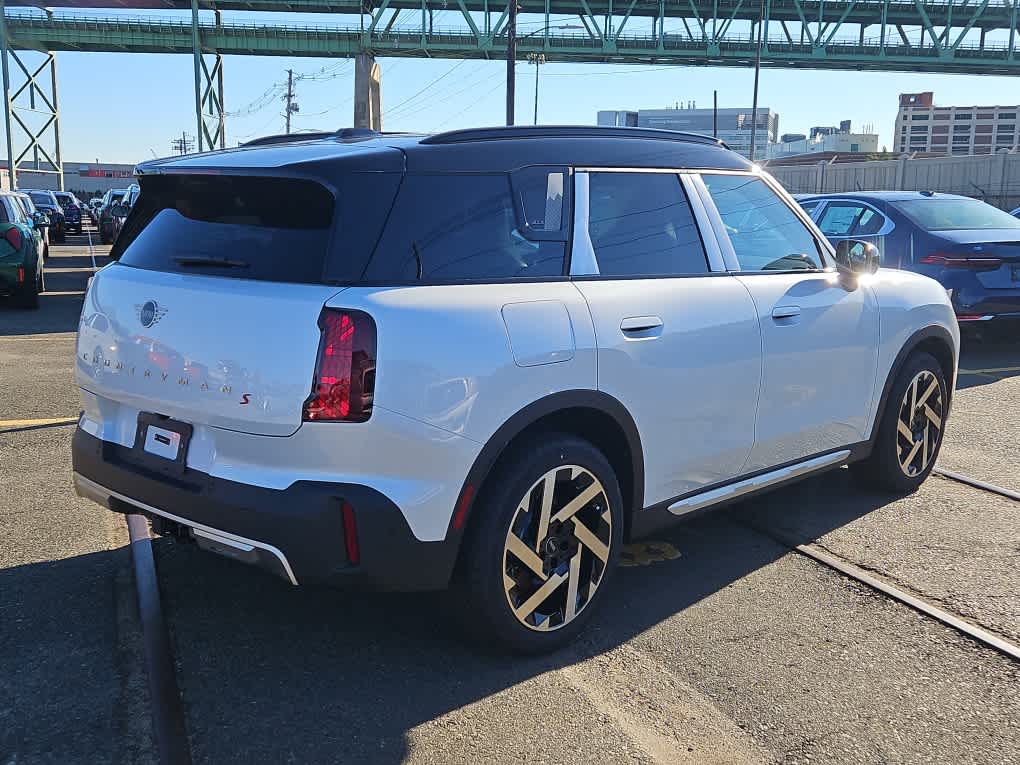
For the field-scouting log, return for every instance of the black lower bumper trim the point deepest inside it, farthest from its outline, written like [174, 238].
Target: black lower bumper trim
[303, 521]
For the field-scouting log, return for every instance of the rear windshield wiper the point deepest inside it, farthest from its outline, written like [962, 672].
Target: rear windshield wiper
[211, 262]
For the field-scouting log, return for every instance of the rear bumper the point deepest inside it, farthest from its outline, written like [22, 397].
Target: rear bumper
[987, 305]
[9, 283]
[296, 533]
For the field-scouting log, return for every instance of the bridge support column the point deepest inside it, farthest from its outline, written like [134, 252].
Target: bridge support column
[209, 113]
[367, 92]
[33, 108]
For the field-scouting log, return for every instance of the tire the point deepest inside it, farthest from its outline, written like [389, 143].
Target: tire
[909, 436]
[495, 572]
[60, 238]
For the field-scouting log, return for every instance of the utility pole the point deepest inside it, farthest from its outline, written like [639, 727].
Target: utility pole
[182, 145]
[511, 60]
[757, 71]
[289, 97]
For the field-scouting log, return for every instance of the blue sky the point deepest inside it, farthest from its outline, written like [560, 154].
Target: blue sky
[120, 107]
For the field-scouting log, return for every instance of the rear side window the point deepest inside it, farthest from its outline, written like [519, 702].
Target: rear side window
[641, 224]
[460, 227]
[268, 229]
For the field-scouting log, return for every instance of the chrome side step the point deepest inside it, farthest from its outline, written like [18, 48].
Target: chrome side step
[215, 540]
[763, 481]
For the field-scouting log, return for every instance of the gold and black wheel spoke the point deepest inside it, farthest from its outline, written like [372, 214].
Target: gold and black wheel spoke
[557, 548]
[919, 423]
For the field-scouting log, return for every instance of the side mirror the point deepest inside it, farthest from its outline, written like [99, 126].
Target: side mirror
[857, 257]
[40, 219]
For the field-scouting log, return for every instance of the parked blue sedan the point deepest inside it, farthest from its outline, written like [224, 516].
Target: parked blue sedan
[970, 247]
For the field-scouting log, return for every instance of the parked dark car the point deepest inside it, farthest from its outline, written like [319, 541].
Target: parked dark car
[73, 210]
[46, 201]
[120, 211]
[40, 222]
[106, 224]
[21, 262]
[970, 247]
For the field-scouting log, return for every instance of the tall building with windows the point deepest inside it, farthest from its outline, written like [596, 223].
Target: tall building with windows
[734, 125]
[922, 126]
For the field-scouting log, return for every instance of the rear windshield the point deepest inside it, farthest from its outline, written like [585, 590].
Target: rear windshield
[269, 229]
[41, 197]
[951, 214]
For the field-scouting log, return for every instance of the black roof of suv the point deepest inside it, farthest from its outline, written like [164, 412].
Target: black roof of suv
[501, 149]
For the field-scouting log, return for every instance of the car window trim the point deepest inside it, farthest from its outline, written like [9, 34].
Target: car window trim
[826, 253]
[582, 251]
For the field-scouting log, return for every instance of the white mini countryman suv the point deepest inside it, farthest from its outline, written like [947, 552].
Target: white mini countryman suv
[487, 359]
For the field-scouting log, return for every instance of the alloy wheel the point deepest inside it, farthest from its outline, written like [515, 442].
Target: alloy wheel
[557, 548]
[919, 424]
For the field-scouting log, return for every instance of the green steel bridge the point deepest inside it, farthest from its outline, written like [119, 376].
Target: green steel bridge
[945, 36]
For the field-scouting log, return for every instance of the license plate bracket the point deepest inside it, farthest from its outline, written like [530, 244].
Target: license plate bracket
[161, 444]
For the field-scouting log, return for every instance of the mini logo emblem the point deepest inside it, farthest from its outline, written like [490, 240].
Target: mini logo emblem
[149, 313]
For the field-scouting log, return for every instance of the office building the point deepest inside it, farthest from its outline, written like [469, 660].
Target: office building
[734, 125]
[922, 126]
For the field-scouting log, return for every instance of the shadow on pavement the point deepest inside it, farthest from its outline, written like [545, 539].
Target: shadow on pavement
[992, 357]
[271, 673]
[57, 313]
[72, 685]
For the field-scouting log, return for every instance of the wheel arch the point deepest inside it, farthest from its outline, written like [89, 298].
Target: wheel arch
[589, 414]
[933, 339]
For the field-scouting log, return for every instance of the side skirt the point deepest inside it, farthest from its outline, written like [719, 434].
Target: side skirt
[672, 511]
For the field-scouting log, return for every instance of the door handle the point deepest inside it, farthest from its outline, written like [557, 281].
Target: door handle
[640, 323]
[786, 312]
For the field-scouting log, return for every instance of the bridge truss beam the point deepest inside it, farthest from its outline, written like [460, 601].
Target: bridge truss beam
[972, 37]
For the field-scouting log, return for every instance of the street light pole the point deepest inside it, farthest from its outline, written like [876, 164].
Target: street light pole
[537, 59]
[511, 60]
[757, 71]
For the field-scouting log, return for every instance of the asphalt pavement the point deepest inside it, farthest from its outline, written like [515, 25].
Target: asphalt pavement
[724, 647]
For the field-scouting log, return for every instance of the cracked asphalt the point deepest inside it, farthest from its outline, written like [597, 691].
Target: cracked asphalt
[719, 646]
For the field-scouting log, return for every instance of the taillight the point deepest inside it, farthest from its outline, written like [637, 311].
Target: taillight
[345, 368]
[21, 275]
[962, 261]
[13, 237]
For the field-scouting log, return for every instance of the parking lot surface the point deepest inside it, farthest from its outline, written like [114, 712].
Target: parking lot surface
[726, 648]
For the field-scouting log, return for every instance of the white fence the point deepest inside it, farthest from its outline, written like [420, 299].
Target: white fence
[993, 178]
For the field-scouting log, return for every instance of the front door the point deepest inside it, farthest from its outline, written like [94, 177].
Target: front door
[819, 332]
[678, 342]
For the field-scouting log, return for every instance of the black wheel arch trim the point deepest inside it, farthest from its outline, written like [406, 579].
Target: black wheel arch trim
[528, 416]
[933, 331]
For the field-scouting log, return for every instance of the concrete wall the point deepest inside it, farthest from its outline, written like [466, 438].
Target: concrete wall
[995, 179]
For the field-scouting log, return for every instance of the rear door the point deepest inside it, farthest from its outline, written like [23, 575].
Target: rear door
[678, 339]
[820, 338]
[210, 314]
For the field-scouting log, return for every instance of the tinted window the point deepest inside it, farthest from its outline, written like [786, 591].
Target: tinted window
[273, 229]
[42, 198]
[839, 218]
[460, 227]
[949, 214]
[641, 225]
[766, 234]
[809, 207]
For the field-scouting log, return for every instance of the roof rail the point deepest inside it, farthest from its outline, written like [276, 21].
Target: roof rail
[568, 131]
[343, 134]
